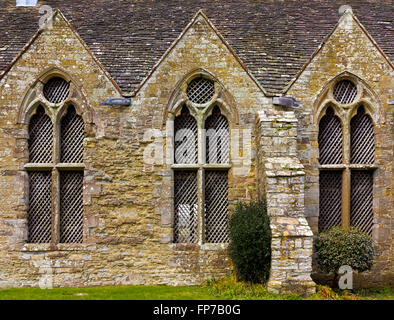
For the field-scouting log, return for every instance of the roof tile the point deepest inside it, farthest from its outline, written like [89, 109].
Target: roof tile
[273, 38]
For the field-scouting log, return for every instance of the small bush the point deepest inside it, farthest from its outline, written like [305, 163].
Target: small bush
[250, 246]
[337, 247]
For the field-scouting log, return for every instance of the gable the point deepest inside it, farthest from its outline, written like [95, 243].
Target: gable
[348, 48]
[57, 45]
[201, 46]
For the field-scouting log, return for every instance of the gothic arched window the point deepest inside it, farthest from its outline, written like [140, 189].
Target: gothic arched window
[201, 152]
[55, 171]
[346, 163]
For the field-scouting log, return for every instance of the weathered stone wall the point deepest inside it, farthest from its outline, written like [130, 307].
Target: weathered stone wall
[128, 203]
[349, 49]
[128, 213]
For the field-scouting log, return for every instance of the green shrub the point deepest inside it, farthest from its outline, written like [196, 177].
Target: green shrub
[337, 247]
[250, 246]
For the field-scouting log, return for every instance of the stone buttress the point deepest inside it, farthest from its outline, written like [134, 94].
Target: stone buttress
[281, 178]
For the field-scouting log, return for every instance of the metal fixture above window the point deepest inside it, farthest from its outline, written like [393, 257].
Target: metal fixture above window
[116, 102]
[26, 3]
[286, 102]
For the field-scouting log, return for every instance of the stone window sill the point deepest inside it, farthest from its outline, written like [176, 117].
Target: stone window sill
[48, 247]
[348, 166]
[50, 166]
[196, 246]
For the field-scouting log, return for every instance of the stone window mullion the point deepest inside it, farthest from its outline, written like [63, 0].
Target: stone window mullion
[55, 206]
[56, 185]
[346, 140]
[346, 178]
[200, 177]
[346, 174]
[201, 205]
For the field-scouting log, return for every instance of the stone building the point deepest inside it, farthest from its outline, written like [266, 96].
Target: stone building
[129, 129]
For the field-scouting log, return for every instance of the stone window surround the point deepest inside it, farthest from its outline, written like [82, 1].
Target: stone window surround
[32, 99]
[56, 167]
[345, 113]
[200, 112]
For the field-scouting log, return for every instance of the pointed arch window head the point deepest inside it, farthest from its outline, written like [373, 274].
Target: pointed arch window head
[217, 137]
[56, 90]
[200, 90]
[71, 137]
[330, 138]
[40, 137]
[362, 138]
[185, 137]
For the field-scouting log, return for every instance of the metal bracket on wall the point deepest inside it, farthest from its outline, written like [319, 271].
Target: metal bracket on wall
[286, 102]
[116, 102]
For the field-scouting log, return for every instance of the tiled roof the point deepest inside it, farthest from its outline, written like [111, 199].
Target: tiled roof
[273, 38]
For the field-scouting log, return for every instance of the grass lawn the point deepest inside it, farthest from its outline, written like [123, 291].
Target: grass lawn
[223, 289]
[109, 293]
